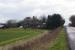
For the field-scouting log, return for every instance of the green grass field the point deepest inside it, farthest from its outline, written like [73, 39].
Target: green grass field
[60, 43]
[14, 34]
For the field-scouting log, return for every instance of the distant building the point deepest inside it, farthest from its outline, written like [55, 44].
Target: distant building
[2, 25]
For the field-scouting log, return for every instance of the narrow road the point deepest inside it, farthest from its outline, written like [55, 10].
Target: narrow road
[71, 37]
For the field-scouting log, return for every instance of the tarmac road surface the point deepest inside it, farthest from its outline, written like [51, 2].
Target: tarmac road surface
[71, 37]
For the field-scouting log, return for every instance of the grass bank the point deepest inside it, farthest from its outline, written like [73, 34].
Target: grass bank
[60, 43]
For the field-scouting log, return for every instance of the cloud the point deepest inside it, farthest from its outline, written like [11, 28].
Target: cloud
[19, 9]
[10, 1]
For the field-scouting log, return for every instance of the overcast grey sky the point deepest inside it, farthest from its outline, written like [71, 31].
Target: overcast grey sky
[19, 9]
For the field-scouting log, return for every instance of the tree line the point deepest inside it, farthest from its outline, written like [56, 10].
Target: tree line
[72, 21]
[45, 22]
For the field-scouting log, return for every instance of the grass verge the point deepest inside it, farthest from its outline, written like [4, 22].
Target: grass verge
[60, 43]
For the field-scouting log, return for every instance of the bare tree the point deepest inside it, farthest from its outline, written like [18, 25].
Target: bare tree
[11, 23]
[27, 22]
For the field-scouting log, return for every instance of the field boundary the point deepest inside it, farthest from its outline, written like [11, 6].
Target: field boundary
[29, 45]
